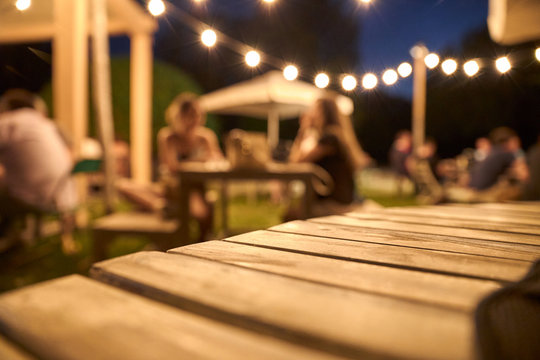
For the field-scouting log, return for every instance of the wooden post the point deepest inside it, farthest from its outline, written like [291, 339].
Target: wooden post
[418, 53]
[141, 107]
[102, 94]
[273, 129]
[70, 69]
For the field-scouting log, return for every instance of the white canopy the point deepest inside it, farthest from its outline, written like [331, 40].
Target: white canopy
[514, 21]
[269, 96]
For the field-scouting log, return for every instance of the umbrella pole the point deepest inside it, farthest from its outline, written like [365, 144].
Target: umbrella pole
[273, 129]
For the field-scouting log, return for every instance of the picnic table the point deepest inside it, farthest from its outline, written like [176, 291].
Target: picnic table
[396, 283]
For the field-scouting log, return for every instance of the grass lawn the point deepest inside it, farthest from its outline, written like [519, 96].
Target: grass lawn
[44, 260]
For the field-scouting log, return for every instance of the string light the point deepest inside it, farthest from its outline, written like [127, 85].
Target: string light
[537, 53]
[390, 77]
[503, 64]
[349, 83]
[22, 5]
[404, 69]
[471, 67]
[209, 37]
[449, 66]
[156, 7]
[290, 72]
[431, 60]
[322, 80]
[253, 58]
[369, 81]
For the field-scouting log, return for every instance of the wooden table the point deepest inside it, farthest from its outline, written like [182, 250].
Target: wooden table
[192, 175]
[397, 283]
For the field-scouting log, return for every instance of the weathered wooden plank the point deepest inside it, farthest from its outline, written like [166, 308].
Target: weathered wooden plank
[413, 240]
[525, 208]
[9, 351]
[466, 265]
[78, 318]
[443, 290]
[513, 238]
[335, 319]
[463, 223]
[469, 213]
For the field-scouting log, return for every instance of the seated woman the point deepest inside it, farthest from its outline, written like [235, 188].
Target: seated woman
[185, 139]
[327, 139]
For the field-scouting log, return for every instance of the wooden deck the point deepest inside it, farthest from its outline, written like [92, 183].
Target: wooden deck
[397, 283]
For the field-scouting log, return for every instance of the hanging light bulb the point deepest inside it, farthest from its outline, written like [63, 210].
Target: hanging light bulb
[209, 37]
[253, 58]
[404, 69]
[390, 77]
[431, 60]
[22, 5]
[322, 80]
[449, 66]
[471, 68]
[269, 1]
[290, 72]
[156, 7]
[503, 64]
[349, 83]
[369, 81]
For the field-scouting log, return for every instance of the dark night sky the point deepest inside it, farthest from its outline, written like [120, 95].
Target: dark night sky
[392, 27]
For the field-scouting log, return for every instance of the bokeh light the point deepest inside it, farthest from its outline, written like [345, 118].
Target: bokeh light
[404, 69]
[390, 77]
[449, 66]
[253, 58]
[290, 72]
[322, 80]
[156, 7]
[369, 81]
[349, 83]
[431, 60]
[268, 1]
[209, 37]
[471, 67]
[503, 64]
[537, 54]
[22, 5]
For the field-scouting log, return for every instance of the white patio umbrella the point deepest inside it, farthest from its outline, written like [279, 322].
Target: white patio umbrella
[269, 96]
[514, 21]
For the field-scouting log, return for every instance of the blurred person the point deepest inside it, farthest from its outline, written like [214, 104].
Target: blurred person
[504, 158]
[185, 139]
[321, 140]
[398, 156]
[482, 148]
[37, 163]
[531, 189]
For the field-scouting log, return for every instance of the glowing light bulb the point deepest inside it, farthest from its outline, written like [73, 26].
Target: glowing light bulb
[290, 72]
[349, 83]
[471, 67]
[322, 80]
[369, 81]
[431, 60]
[209, 37]
[253, 58]
[156, 7]
[449, 66]
[390, 77]
[268, 1]
[22, 5]
[365, 1]
[503, 64]
[404, 69]
[537, 54]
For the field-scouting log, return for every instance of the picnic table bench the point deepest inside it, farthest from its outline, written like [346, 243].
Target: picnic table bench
[396, 283]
